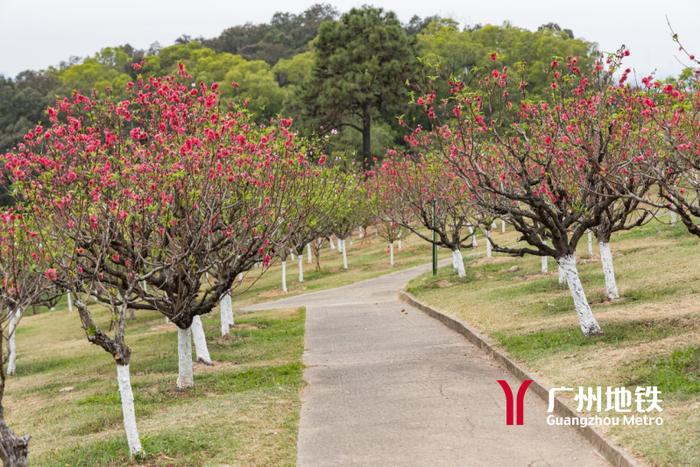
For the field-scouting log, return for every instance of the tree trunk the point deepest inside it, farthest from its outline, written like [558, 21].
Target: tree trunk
[128, 412]
[345, 256]
[503, 226]
[473, 232]
[12, 343]
[200, 341]
[366, 140]
[309, 257]
[330, 243]
[590, 244]
[562, 276]
[488, 243]
[458, 261]
[674, 218]
[606, 260]
[301, 268]
[185, 378]
[15, 449]
[341, 245]
[226, 312]
[391, 254]
[69, 300]
[284, 276]
[588, 323]
[545, 264]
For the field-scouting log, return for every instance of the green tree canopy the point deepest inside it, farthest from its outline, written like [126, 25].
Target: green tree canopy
[363, 63]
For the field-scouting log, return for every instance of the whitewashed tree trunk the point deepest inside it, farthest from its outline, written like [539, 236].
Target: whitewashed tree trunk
[309, 257]
[345, 256]
[398, 243]
[128, 412]
[590, 243]
[589, 325]
[185, 378]
[300, 260]
[458, 262]
[391, 253]
[284, 276]
[545, 264]
[341, 245]
[503, 226]
[291, 253]
[606, 260]
[69, 300]
[200, 341]
[12, 343]
[674, 218]
[330, 243]
[473, 232]
[489, 253]
[226, 313]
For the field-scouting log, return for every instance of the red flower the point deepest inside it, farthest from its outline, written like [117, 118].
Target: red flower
[51, 274]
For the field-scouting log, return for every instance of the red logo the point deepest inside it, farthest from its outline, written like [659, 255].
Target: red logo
[516, 405]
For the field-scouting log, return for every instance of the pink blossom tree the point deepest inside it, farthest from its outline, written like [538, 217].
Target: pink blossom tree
[543, 165]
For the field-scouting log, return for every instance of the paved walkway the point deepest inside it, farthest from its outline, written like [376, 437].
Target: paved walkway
[390, 386]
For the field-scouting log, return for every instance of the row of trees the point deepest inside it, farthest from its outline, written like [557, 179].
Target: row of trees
[595, 155]
[156, 201]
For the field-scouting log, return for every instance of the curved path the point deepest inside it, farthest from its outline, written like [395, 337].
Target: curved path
[387, 385]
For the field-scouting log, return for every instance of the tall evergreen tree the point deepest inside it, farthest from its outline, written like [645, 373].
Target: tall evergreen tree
[363, 63]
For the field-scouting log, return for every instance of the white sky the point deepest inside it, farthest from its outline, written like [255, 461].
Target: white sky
[37, 33]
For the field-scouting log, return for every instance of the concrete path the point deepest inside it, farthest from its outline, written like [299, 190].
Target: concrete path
[389, 386]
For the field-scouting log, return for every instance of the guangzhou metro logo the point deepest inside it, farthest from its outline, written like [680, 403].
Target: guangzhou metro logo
[517, 405]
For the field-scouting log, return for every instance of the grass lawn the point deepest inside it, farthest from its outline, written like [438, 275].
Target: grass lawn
[651, 335]
[244, 410]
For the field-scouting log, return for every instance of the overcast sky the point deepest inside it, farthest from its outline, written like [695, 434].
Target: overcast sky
[38, 33]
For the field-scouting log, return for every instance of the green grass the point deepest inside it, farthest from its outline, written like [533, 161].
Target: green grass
[678, 373]
[243, 410]
[535, 345]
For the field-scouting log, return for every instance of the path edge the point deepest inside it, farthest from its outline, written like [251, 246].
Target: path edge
[614, 454]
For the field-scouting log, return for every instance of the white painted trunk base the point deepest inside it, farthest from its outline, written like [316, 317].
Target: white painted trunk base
[226, 313]
[309, 257]
[674, 218]
[200, 341]
[330, 243]
[128, 412]
[471, 231]
[589, 325]
[69, 300]
[300, 260]
[12, 343]
[391, 253]
[606, 259]
[458, 262]
[185, 377]
[284, 276]
[545, 264]
[398, 243]
[562, 276]
[345, 255]
[503, 226]
[489, 253]
[590, 243]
